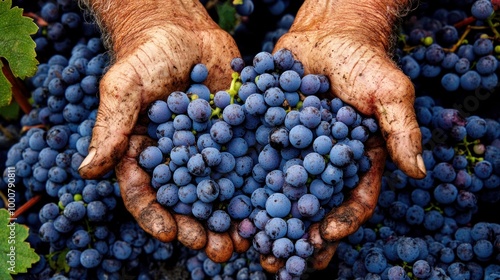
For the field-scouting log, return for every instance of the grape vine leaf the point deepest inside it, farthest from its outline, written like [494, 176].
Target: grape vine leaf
[57, 261]
[16, 255]
[10, 112]
[227, 16]
[16, 47]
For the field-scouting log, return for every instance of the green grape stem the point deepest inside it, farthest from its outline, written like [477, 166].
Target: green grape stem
[233, 93]
[434, 207]
[89, 228]
[217, 112]
[235, 86]
[409, 270]
[4, 198]
[466, 148]
[493, 28]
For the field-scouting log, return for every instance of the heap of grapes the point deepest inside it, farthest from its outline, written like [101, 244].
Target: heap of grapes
[267, 152]
[453, 46]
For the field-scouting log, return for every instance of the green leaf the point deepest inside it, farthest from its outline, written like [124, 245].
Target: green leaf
[5, 88]
[10, 112]
[57, 261]
[227, 16]
[16, 255]
[16, 46]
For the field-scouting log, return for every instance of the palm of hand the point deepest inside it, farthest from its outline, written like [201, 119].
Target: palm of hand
[156, 64]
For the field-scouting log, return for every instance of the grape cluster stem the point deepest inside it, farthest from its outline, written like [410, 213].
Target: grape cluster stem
[27, 205]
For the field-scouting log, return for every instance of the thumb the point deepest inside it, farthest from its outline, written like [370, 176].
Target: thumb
[398, 124]
[117, 115]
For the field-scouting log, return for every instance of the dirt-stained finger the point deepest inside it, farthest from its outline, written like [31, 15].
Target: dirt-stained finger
[323, 250]
[119, 107]
[219, 246]
[240, 244]
[271, 264]
[140, 198]
[190, 232]
[359, 207]
[398, 124]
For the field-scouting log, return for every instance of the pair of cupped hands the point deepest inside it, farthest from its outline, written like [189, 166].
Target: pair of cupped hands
[151, 60]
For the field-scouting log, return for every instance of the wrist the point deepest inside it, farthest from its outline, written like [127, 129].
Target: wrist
[374, 21]
[126, 22]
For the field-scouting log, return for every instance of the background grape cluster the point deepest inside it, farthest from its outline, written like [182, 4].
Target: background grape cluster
[441, 227]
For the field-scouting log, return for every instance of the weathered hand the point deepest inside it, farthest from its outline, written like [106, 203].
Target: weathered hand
[152, 58]
[363, 75]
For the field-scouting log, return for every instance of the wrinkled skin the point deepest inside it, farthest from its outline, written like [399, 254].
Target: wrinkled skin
[363, 75]
[157, 60]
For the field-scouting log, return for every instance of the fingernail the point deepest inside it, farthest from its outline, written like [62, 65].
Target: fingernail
[420, 164]
[162, 235]
[88, 159]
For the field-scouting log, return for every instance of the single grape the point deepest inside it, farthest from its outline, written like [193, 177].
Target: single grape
[199, 73]
[90, 258]
[263, 62]
[219, 221]
[150, 157]
[482, 9]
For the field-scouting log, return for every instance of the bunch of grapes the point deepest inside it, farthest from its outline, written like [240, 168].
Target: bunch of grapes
[267, 153]
[240, 266]
[461, 156]
[60, 124]
[453, 46]
[434, 227]
[64, 92]
[467, 252]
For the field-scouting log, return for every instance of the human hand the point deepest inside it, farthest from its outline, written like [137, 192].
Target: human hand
[361, 73]
[350, 45]
[155, 47]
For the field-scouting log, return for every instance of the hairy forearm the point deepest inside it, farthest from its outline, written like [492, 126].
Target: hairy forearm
[374, 19]
[122, 21]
